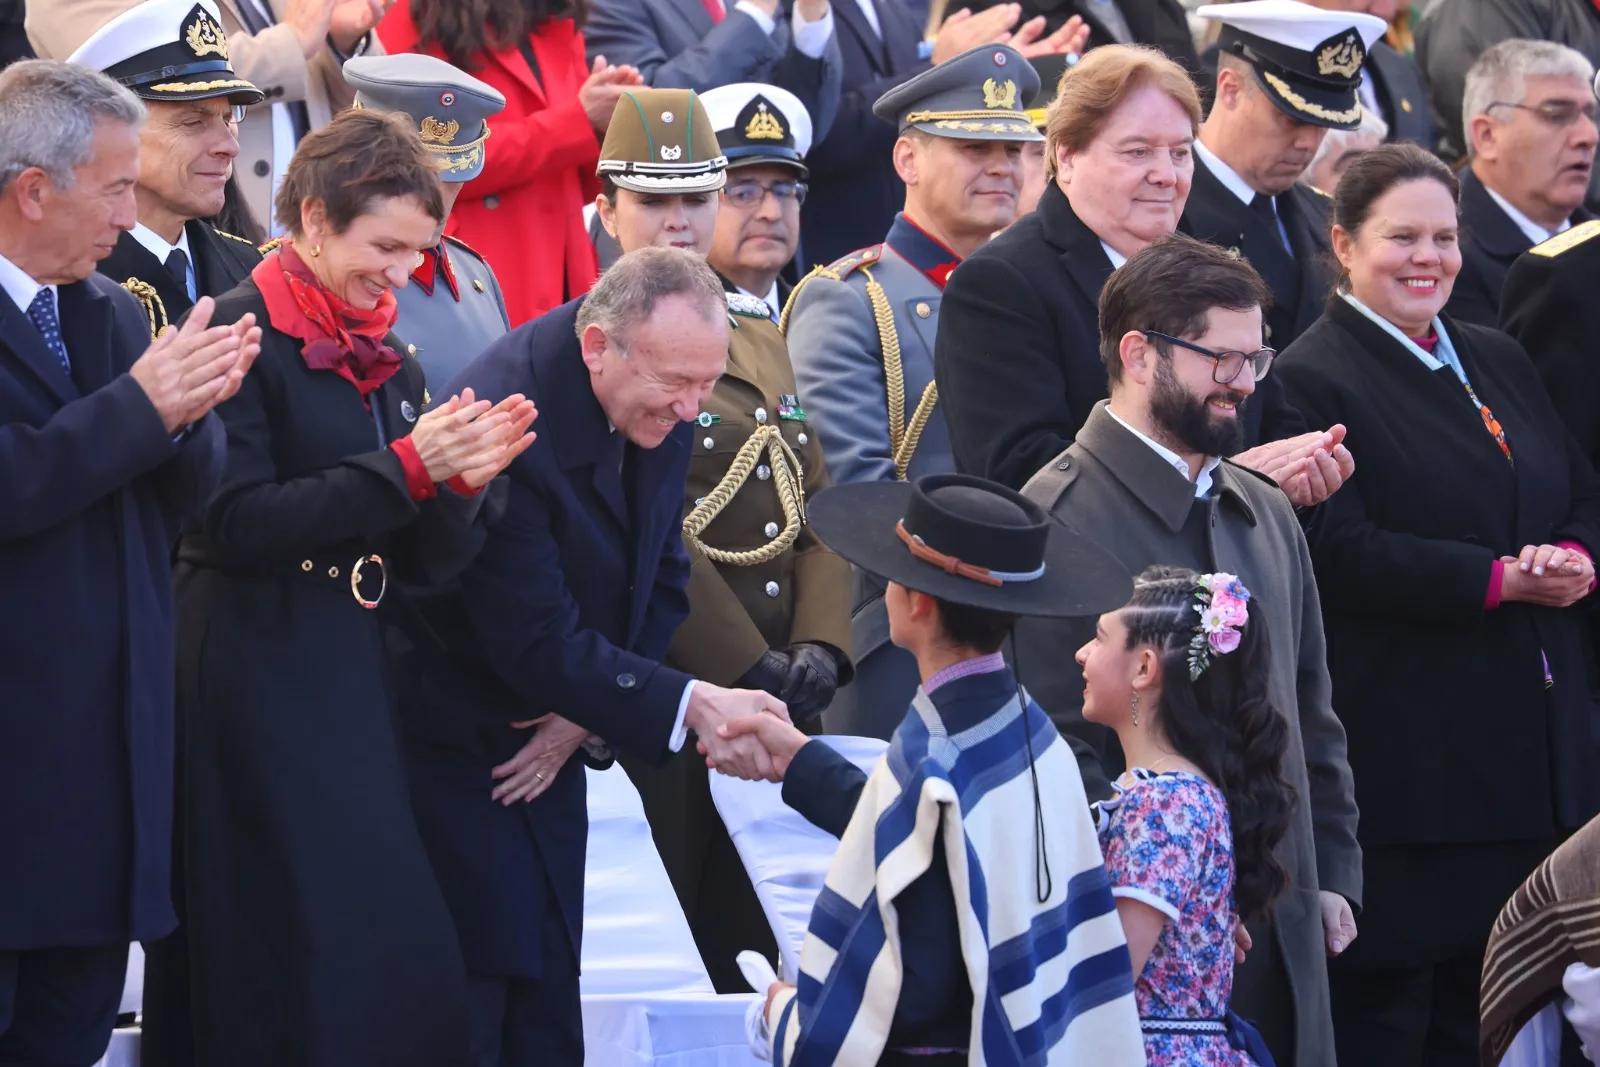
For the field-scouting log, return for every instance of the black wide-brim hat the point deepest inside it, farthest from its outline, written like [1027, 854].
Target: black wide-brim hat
[972, 542]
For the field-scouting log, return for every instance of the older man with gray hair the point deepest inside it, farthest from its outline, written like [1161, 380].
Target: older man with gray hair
[1529, 117]
[106, 444]
[564, 618]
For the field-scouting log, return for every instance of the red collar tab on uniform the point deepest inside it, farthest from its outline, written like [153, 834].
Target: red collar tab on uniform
[923, 250]
[435, 262]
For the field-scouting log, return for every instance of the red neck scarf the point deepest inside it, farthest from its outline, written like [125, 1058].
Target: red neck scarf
[338, 337]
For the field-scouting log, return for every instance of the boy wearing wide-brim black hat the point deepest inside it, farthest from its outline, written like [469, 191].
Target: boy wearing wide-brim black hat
[967, 916]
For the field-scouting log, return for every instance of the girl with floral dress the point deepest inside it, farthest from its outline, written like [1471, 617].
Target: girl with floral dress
[1180, 673]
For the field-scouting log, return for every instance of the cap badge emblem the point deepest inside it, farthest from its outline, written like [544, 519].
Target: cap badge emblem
[667, 117]
[763, 126]
[1000, 94]
[999, 59]
[447, 99]
[671, 152]
[1342, 58]
[203, 36]
[436, 132]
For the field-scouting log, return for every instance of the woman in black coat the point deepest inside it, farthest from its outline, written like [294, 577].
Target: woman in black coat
[1017, 357]
[1449, 568]
[317, 935]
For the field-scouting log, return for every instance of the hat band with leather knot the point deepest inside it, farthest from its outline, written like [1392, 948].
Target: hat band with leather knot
[959, 568]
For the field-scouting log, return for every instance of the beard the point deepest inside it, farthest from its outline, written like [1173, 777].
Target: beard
[1188, 422]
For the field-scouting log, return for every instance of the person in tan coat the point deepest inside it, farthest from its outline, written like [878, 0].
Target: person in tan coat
[290, 49]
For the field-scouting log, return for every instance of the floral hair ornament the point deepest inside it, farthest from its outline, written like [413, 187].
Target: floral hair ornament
[1220, 600]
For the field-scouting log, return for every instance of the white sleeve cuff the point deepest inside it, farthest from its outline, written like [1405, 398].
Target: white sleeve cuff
[763, 19]
[1144, 896]
[680, 732]
[811, 38]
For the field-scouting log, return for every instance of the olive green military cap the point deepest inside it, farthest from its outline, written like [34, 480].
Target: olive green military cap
[662, 141]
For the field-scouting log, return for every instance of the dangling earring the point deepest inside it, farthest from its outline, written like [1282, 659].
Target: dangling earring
[1136, 709]
[316, 250]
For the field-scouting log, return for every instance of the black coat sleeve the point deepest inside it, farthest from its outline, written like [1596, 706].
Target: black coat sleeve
[1549, 306]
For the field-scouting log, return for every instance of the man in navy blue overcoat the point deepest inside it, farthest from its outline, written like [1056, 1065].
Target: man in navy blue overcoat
[104, 447]
[566, 611]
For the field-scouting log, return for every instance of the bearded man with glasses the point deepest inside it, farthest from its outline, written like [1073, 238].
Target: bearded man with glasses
[1147, 478]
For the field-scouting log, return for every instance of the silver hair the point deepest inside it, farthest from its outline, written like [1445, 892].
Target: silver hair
[48, 112]
[627, 293]
[1337, 142]
[1501, 73]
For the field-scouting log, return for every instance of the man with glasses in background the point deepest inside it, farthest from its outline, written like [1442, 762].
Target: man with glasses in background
[1529, 110]
[187, 147]
[861, 330]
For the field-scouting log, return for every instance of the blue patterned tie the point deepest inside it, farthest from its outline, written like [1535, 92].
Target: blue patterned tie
[43, 314]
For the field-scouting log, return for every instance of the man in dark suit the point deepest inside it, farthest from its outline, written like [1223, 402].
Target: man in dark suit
[1162, 24]
[567, 611]
[701, 44]
[172, 256]
[106, 443]
[1286, 73]
[1530, 115]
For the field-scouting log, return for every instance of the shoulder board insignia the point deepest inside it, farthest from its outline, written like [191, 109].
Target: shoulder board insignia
[459, 243]
[751, 307]
[233, 237]
[1562, 242]
[861, 257]
[270, 246]
[1320, 192]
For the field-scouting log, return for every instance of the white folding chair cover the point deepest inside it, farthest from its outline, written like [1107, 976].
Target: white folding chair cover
[646, 996]
[786, 857]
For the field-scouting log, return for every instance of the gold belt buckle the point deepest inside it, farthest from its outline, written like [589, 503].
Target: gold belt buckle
[355, 580]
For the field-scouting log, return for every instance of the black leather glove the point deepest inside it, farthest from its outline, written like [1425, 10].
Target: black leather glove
[769, 674]
[813, 676]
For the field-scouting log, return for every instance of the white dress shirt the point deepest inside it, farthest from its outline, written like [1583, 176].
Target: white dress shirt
[810, 38]
[1202, 481]
[1117, 258]
[158, 246]
[1236, 185]
[1535, 233]
[20, 286]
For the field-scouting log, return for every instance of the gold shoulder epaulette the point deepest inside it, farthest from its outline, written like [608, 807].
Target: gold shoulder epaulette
[1320, 192]
[233, 237]
[1562, 242]
[834, 272]
[270, 246]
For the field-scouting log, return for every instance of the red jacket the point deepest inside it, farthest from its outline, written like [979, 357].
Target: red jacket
[524, 213]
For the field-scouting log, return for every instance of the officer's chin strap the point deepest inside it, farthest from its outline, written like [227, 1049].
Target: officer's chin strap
[1043, 883]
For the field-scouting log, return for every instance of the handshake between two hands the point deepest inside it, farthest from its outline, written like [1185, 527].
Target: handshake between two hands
[745, 733]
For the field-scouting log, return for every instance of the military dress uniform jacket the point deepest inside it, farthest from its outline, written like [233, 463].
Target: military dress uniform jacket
[221, 261]
[451, 310]
[1549, 305]
[755, 425]
[1300, 277]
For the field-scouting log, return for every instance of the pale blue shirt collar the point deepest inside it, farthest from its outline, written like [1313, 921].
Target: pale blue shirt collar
[20, 286]
[1443, 354]
[161, 248]
[1223, 173]
[1530, 229]
[1202, 481]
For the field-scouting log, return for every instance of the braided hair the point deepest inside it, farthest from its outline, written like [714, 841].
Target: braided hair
[1223, 722]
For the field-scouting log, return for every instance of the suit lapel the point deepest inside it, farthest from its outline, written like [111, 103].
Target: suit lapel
[511, 60]
[694, 15]
[849, 12]
[215, 270]
[86, 320]
[1082, 256]
[654, 505]
[18, 333]
[1491, 227]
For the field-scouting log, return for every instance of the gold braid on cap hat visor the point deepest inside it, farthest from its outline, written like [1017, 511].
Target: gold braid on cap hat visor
[1309, 107]
[199, 87]
[986, 113]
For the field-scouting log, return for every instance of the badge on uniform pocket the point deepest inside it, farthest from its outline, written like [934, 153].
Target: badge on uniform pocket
[789, 408]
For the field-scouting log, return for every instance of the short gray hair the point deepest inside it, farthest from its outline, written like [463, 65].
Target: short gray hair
[1501, 73]
[48, 112]
[1337, 142]
[628, 292]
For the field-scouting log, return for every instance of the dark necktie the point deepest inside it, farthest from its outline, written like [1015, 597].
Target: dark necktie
[178, 267]
[1265, 207]
[42, 312]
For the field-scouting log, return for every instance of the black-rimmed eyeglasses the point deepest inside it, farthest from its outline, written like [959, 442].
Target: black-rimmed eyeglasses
[1225, 366]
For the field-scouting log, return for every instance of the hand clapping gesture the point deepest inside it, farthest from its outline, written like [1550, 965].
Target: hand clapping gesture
[1309, 468]
[468, 437]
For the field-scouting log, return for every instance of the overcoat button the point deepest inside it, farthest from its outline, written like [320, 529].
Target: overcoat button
[772, 589]
[626, 681]
[262, 168]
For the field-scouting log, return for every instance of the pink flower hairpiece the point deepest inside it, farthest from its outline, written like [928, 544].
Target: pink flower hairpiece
[1221, 601]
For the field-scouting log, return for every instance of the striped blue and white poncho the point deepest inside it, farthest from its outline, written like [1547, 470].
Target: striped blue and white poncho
[1051, 982]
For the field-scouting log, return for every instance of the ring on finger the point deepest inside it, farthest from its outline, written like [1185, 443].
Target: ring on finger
[538, 776]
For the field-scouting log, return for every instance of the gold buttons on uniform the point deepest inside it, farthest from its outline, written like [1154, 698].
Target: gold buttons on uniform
[763, 472]
[761, 416]
[923, 310]
[477, 283]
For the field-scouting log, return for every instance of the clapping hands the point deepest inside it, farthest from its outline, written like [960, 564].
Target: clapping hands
[1309, 468]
